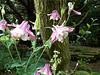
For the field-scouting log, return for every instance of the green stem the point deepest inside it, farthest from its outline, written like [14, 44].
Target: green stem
[17, 51]
[84, 32]
[60, 20]
[54, 72]
[40, 57]
[36, 37]
[67, 18]
[31, 57]
[69, 15]
[12, 57]
[53, 22]
[33, 53]
[61, 16]
[74, 70]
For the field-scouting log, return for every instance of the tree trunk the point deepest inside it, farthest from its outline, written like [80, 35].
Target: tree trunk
[44, 7]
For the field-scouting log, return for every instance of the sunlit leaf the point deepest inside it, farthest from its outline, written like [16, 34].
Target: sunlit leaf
[48, 43]
[49, 27]
[88, 25]
[88, 32]
[9, 43]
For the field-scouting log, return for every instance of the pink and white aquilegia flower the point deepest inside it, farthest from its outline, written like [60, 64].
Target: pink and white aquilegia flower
[60, 32]
[54, 15]
[22, 31]
[2, 24]
[45, 70]
[70, 5]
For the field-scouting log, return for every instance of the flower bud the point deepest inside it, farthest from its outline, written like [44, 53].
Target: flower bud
[37, 21]
[2, 11]
[62, 11]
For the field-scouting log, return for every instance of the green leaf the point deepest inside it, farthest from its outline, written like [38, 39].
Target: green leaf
[63, 11]
[88, 25]
[78, 36]
[48, 43]
[84, 38]
[0, 7]
[9, 43]
[92, 19]
[24, 63]
[33, 44]
[88, 32]
[1, 34]
[20, 71]
[95, 24]
[37, 48]
[16, 65]
[37, 21]
[49, 27]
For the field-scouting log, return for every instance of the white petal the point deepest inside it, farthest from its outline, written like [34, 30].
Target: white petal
[1, 28]
[65, 34]
[24, 37]
[60, 38]
[70, 4]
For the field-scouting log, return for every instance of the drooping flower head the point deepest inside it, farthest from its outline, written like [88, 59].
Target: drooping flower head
[70, 5]
[45, 70]
[22, 31]
[54, 15]
[60, 32]
[2, 24]
[36, 73]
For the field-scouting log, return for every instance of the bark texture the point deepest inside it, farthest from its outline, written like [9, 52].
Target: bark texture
[44, 7]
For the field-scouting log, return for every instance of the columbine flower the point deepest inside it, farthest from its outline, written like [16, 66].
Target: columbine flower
[2, 24]
[54, 15]
[22, 31]
[59, 32]
[45, 70]
[36, 73]
[70, 5]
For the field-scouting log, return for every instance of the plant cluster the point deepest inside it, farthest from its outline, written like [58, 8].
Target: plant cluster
[22, 31]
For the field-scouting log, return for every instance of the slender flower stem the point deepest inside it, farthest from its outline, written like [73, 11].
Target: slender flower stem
[53, 22]
[33, 53]
[69, 14]
[40, 56]
[74, 69]
[61, 17]
[11, 56]
[17, 51]
[36, 37]
[31, 57]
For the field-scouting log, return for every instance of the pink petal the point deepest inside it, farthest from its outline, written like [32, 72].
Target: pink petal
[76, 12]
[63, 23]
[54, 38]
[68, 29]
[31, 35]
[14, 25]
[36, 73]
[23, 24]
[40, 68]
